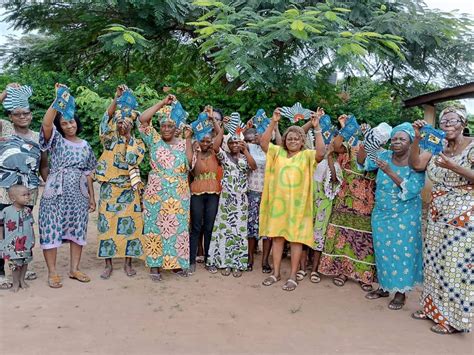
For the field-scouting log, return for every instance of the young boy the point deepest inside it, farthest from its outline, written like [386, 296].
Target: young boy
[17, 235]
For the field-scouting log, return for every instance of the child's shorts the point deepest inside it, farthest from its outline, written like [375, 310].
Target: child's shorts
[14, 264]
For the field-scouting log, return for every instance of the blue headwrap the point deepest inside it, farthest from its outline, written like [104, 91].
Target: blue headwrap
[404, 127]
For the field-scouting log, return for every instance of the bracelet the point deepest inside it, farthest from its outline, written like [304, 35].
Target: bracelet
[318, 131]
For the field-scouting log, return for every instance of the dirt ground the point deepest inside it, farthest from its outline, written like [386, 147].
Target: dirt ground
[205, 313]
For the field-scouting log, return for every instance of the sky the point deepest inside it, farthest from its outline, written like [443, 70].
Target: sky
[463, 6]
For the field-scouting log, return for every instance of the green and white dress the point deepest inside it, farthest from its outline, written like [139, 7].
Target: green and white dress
[229, 247]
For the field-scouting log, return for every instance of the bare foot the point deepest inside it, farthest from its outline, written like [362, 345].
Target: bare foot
[15, 287]
[23, 284]
[129, 270]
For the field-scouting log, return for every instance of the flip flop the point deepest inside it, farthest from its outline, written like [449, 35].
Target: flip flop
[266, 269]
[290, 288]
[55, 281]
[339, 281]
[155, 277]
[439, 329]
[315, 277]
[236, 273]
[378, 293]
[226, 271]
[270, 280]
[30, 276]
[419, 315]
[365, 287]
[79, 276]
[106, 274]
[300, 275]
[396, 305]
[212, 269]
[5, 284]
[130, 272]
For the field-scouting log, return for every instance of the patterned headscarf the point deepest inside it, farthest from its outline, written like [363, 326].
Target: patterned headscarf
[459, 111]
[404, 127]
[164, 115]
[129, 116]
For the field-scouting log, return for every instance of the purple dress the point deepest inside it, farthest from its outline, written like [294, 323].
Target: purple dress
[64, 206]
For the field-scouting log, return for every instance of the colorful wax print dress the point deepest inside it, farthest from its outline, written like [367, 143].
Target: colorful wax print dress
[348, 248]
[325, 190]
[19, 237]
[287, 204]
[448, 254]
[229, 246]
[396, 226]
[120, 222]
[64, 205]
[166, 203]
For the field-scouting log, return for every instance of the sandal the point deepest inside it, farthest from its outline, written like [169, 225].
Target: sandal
[419, 315]
[129, 271]
[290, 285]
[200, 259]
[30, 276]
[396, 304]
[155, 277]
[270, 280]
[266, 269]
[339, 280]
[365, 287]
[79, 276]
[300, 275]
[5, 284]
[212, 269]
[236, 273]
[378, 293]
[439, 329]
[181, 273]
[315, 277]
[250, 267]
[55, 281]
[106, 273]
[226, 271]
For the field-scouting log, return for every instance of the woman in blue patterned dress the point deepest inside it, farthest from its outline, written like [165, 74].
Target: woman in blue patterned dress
[396, 218]
[68, 196]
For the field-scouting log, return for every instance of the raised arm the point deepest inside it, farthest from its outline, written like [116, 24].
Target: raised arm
[188, 133]
[146, 116]
[278, 139]
[307, 126]
[267, 135]
[48, 119]
[318, 136]
[217, 142]
[113, 105]
[361, 155]
[416, 159]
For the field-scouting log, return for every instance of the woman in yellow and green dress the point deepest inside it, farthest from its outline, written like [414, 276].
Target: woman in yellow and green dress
[286, 210]
[120, 223]
[167, 197]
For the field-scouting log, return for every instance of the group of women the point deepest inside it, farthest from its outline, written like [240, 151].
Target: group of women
[351, 215]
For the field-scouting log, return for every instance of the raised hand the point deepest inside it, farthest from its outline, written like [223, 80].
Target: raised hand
[320, 112]
[417, 126]
[342, 120]
[169, 99]
[120, 90]
[315, 116]
[188, 132]
[276, 115]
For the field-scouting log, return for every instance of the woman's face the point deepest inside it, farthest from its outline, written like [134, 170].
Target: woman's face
[167, 130]
[452, 125]
[293, 142]
[205, 144]
[69, 127]
[234, 146]
[252, 138]
[21, 117]
[400, 143]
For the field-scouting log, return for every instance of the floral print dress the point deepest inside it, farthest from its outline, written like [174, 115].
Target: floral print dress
[348, 248]
[64, 205]
[229, 247]
[166, 202]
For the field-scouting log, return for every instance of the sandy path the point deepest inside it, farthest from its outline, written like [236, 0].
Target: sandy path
[205, 314]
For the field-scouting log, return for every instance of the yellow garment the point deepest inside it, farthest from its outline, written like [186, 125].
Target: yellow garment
[286, 209]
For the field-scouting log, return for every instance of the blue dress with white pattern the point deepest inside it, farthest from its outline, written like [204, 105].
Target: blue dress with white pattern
[396, 226]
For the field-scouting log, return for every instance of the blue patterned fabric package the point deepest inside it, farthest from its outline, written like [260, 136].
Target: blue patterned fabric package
[64, 103]
[432, 139]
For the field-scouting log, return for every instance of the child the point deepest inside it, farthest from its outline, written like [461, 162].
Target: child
[17, 234]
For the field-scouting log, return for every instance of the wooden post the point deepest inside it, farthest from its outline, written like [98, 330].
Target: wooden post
[430, 117]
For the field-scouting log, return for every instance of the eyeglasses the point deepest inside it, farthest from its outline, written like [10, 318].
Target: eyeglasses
[21, 114]
[452, 122]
